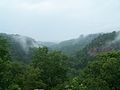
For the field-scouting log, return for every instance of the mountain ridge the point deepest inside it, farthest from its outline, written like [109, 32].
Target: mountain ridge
[89, 45]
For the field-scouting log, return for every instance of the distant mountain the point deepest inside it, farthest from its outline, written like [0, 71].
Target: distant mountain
[20, 46]
[47, 44]
[82, 48]
[70, 47]
[105, 42]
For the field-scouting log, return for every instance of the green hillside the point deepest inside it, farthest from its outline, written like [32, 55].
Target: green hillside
[88, 63]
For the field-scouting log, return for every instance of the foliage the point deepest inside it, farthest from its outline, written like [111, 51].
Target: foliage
[88, 69]
[10, 72]
[53, 66]
[70, 47]
[102, 74]
[32, 79]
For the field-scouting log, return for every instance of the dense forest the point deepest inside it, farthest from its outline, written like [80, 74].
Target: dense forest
[89, 62]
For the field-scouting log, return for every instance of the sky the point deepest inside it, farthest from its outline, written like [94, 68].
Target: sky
[57, 20]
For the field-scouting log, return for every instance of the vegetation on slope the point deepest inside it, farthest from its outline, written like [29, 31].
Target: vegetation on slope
[94, 67]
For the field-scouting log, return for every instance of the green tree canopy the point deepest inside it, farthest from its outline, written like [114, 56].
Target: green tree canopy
[102, 74]
[52, 66]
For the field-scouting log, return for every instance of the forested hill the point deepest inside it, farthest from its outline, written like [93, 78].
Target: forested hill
[90, 44]
[20, 46]
[70, 47]
[105, 42]
[92, 63]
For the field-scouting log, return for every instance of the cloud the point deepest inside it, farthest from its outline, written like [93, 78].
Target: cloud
[38, 7]
[63, 18]
[47, 5]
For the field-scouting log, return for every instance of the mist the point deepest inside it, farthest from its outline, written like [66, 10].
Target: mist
[25, 42]
[50, 20]
[117, 39]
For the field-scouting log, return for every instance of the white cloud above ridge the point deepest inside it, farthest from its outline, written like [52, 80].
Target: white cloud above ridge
[46, 5]
[76, 7]
[80, 16]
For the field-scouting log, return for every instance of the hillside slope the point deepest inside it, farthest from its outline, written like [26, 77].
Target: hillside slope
[70, 47]
[20, 46]
[105, 42]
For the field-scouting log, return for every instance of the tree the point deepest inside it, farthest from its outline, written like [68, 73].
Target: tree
[52, 65]
[32, 79]
[10, 72]
[4, 49]
[4, 64]
[102, 74]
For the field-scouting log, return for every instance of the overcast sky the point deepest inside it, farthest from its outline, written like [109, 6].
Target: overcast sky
[57, 20]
